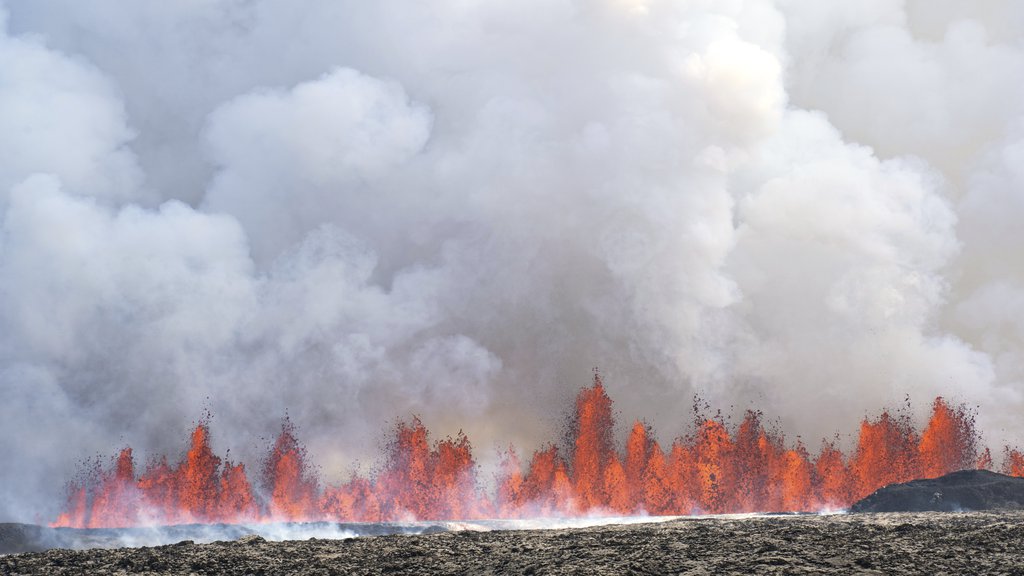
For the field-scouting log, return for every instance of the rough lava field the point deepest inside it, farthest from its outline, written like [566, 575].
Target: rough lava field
[886, 543]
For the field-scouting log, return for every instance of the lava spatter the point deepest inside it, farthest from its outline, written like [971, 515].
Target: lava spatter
[714, 469]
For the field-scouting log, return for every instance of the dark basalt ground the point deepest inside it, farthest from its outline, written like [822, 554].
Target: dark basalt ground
[903, 543]
[963, 491]
[19, 538]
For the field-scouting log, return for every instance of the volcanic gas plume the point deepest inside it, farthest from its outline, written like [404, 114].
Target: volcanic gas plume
[356, 211]
[715, 469]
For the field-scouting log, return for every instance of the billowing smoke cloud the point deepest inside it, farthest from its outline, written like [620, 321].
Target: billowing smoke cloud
[357, 211]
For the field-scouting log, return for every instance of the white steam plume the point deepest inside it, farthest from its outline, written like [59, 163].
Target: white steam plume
[357, 211]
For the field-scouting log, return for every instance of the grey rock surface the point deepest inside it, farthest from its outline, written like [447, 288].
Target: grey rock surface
[917, 543]
[963, 491]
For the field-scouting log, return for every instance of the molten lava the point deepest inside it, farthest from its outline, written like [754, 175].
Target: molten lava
[712, 470]
[291, 488]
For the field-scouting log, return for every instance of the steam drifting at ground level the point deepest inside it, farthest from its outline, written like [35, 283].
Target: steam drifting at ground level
[866, 544]
[715, 469]
[21, 538]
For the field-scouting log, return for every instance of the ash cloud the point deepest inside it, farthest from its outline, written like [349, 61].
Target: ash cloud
[356, 212]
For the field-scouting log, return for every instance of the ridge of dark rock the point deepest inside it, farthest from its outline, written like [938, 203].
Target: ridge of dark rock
[962, 491]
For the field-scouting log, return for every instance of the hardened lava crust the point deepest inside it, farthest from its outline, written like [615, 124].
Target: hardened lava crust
[883, 543]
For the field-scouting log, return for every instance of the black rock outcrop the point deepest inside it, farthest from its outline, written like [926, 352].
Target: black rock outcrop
[963, 491]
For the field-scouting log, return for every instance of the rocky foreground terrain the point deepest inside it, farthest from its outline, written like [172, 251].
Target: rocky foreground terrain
[904, 543]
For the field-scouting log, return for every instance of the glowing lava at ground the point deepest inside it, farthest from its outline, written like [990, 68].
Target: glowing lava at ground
[713, 470]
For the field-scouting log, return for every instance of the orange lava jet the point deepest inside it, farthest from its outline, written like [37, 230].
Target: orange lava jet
[715, 469]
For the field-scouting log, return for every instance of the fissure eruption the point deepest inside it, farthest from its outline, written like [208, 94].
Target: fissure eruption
[716, 468]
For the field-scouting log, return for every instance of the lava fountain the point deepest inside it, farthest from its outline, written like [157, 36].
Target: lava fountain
[714, 469]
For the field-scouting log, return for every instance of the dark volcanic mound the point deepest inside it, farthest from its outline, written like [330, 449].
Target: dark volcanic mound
[963, 491]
